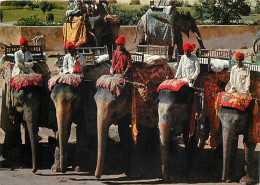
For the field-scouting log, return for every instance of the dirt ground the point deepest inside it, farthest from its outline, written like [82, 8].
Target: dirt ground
[207, 168]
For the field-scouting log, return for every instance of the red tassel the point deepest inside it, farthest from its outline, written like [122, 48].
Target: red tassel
[77, 68]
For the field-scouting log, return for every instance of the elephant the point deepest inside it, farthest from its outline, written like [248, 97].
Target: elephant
[174, 111]
[181, 23]
[256, 43]
[235, 122]
[106, 32]
[29, 107]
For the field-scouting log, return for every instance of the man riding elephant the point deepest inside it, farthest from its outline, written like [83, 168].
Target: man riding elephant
[240, 76]
[189, 67]
[122, 62]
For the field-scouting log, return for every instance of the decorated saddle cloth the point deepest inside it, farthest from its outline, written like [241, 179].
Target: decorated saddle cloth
[75, 32]
[23, 80]
[239, 101]
[172, 84]
[70, 79]
[158, 27]
[115, 84]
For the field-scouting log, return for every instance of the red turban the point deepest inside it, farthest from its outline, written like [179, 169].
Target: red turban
[121, 40]
[238, 54]
[189, 47]
[70, 45]
[23, 41]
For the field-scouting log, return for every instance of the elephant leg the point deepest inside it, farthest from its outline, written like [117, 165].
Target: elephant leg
[137, 167]
[249, 162]
[126, 140]
[170, 53]
[80, 147]
[56, 166]
[12, 149]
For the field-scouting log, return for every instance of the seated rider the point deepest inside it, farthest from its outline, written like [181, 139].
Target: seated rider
[23, 59]
[73, 62]
[239, 76]
[189, 67]
[121, 63]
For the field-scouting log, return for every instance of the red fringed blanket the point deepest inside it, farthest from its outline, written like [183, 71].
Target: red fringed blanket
[70, 79]
[172, 84]
[114, 84]
[22, 80]
[235, 100]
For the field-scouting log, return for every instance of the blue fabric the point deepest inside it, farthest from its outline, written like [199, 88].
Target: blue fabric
[159, 28]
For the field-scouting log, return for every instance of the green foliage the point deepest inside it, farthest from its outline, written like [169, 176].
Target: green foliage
[128, 16]
[46, 6]
[50, 17]
[221, 11]
[29, 21]
[257, 7]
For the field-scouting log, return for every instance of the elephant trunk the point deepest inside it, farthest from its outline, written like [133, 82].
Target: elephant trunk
[63, 113]
[164, 131]
[31, 119]
[227, 147]
[198, 37]
[103, 118]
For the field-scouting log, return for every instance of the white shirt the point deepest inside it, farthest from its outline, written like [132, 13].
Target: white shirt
[189, 68]
[240, 78]
[69, 63]
[22, 64]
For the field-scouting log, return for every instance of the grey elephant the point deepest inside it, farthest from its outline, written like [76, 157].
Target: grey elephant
[235, 122]
[114, 107]
[26, 103]
[176, 105]
[180, 22]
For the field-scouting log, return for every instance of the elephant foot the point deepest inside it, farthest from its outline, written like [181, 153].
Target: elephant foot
[134, 174]
[55, 168]
[34, 170]
[246, 180]
[79, 169]
[167, 178]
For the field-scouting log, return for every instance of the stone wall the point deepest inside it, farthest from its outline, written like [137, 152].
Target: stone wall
[226, 37]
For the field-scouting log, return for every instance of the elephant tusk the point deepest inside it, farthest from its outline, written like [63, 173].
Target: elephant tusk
[197, 36]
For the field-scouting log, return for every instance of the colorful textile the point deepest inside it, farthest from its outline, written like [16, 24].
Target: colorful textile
[172, 84]
[189, 47]
[241, 55]
[121, 40]
[70, 79]
[70, 45]
[254, 129]
[75, 32]
[159, 28]
[210, 83]
[23, 41]
[23, 80]
[7, 77]
[115, 84]
[235, 100]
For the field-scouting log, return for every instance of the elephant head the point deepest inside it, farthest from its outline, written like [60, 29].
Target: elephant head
[109, 109]
[69, 107]
[105, 33]
[186, 23]
[235, 122]
[174, 112]
[256, 43]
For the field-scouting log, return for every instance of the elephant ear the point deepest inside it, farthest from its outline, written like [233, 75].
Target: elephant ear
[20, 96]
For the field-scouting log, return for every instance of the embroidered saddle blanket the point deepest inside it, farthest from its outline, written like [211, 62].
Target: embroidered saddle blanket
[172, 84]
[70, 79]
[235, 100]
[114, 84]
[23, 80]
